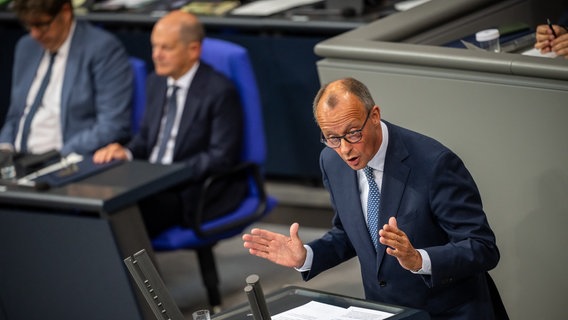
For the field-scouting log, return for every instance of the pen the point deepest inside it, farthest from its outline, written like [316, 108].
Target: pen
[550, 26]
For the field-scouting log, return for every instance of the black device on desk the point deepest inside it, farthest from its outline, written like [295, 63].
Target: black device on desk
[152, 287]
[14, 166]
[25, 163]
[162, 304]
[256, 299]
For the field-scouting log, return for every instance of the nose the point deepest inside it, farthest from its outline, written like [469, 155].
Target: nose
[344, 146]
[35, 33]
[156, 53]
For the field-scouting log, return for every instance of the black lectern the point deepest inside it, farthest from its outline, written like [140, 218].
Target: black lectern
[61, 250]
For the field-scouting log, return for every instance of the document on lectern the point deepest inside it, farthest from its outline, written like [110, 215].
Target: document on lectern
[314, 310]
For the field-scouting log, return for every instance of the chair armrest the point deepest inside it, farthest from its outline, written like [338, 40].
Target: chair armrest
[251, 172]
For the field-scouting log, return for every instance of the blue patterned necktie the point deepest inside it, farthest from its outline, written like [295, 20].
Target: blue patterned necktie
[373, 204]
[171, 110]
[35, 105]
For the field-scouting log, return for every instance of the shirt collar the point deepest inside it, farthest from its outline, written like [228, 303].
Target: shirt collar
[378, 161]
[184, 81]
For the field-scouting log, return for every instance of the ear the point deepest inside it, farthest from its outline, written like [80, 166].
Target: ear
[376, 115]
[195, 49]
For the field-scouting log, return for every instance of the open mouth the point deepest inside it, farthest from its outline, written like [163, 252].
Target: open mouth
[353, 160]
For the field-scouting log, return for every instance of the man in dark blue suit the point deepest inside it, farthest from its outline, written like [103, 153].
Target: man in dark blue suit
[433, 245]
[203, 130]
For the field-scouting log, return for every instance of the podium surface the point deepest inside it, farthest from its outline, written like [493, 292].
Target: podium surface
[61, 250]
[109, 191]
[294, 296]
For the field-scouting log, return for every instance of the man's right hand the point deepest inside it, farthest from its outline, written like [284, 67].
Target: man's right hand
[113, 151]
[275, 247]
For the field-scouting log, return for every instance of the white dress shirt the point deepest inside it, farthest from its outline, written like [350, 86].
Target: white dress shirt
[183, 84]
[46, 132]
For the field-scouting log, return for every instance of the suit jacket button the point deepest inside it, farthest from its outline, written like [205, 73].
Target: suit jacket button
[382, 283]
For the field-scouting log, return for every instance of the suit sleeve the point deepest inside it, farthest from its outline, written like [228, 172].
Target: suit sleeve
[111, 76]
[223, 148]
[456, 203]
[23, 65]
[334, 247]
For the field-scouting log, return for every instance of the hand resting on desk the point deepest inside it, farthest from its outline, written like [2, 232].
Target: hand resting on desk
[113, 151]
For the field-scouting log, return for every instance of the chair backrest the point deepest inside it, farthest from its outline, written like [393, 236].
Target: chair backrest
[233, 61]
[138, 92]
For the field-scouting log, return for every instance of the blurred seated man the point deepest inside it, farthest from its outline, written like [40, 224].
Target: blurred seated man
[193, 116]
[71, 84]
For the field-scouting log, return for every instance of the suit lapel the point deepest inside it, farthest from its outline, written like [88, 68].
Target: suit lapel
[347, 197]
[29, 73]
[156, 107]
[191, 106]
[395, 176]
[72, 68]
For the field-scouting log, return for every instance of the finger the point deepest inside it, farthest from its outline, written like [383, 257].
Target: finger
[393, 223]
[294, 231]
[391, 252]
[392, 226]
[542, 46]
[257, 232]
[258, 253]
[260, 241]
[559, 46]
[390, 243]
[542, 29]
[96, 157]
[256, 246]
[107, 157]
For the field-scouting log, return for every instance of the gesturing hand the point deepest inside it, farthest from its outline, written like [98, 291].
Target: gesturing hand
[399, 246]
[275, 247]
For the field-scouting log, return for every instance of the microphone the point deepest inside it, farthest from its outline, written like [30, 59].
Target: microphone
[256, 299]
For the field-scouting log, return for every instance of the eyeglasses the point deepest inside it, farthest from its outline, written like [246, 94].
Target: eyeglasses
[42, 26]
[351, 136]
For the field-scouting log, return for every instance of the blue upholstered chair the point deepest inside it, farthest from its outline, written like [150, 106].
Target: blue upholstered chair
[138, 92]
[233, 61]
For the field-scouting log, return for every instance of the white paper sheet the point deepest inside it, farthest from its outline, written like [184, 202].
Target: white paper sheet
[314, 310]
[536, 53]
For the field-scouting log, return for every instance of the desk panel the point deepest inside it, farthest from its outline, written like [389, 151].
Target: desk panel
[57, 266]
[62, 249]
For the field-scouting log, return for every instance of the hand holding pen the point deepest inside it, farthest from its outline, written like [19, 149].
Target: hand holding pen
[553, 38]
[551, 28]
